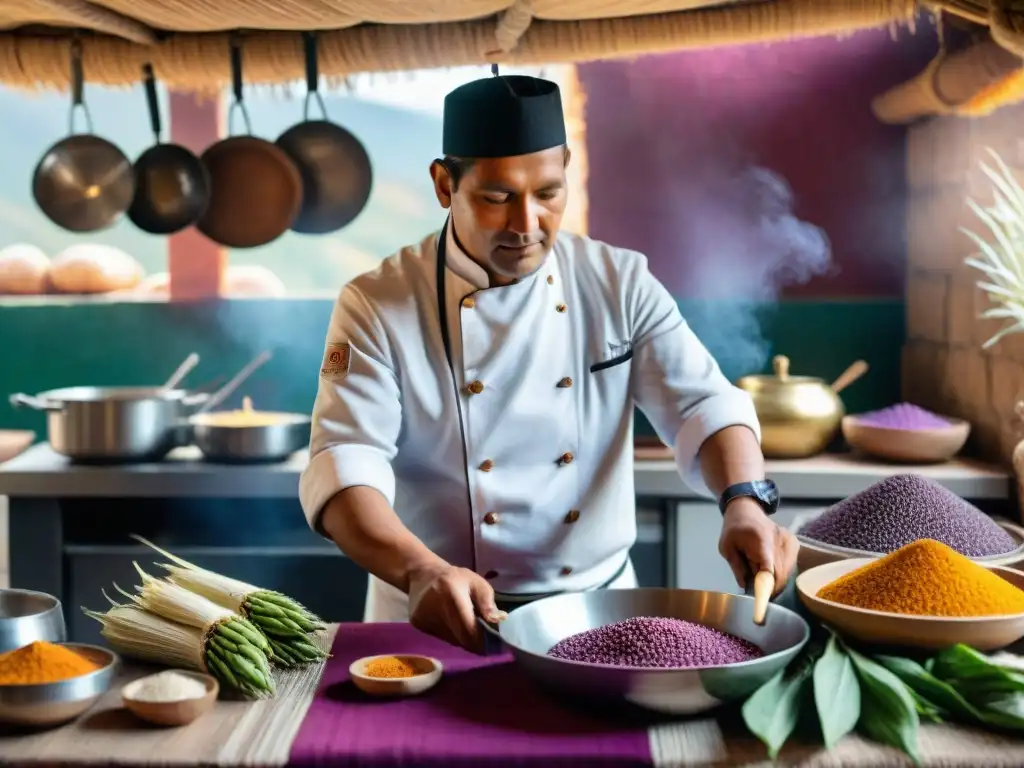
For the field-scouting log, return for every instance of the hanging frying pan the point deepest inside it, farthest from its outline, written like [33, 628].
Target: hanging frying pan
[82, 183]
[335, 169]
[255, 189]
[172, 186]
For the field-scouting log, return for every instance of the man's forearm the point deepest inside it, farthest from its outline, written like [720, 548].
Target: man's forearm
[365, 527]
[731, 455]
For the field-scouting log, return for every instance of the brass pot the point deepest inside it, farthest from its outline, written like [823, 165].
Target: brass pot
[799, 415]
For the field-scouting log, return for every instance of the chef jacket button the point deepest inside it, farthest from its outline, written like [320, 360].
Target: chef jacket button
[491, 575]
[565, 382]
[469, 302]
[486, 465]
[566, 570]
[551, 280]
[572, 516]
[566, 458]
[491, 518]
[560, 307]
[475, 387]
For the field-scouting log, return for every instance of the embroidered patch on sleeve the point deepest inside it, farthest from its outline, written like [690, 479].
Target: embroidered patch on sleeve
[336, 360]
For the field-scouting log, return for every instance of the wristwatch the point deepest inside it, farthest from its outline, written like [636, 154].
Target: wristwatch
[764, 492]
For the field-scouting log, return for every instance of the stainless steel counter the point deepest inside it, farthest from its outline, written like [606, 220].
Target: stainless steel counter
[42, 473]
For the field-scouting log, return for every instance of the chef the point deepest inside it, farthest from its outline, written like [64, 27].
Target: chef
[472, 440]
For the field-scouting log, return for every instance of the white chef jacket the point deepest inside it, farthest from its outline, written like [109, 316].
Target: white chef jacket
[522, 468]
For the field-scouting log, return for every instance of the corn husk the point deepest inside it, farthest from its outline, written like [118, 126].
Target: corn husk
[286, 623]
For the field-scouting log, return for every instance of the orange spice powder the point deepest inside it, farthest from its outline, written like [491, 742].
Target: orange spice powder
[42, 662]
[390, 666]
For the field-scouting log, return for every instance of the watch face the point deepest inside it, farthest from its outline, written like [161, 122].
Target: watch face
[768, 492]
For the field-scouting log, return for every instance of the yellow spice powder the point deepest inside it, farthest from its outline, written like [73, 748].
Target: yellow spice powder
[390, 666]
[926, 578]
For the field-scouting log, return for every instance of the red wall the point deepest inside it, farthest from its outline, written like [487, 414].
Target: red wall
[663, 130]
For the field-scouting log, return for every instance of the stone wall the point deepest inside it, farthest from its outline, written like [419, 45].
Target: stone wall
[945, 368]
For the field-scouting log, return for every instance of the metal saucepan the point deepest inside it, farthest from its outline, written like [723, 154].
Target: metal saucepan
[532, 630]
[255, 188]
[336, 173]
[83, 183]
[247, 436]
[113, 424]
[172, 186]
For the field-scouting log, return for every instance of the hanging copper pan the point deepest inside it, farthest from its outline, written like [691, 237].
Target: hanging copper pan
[255, 189]
[336, 174]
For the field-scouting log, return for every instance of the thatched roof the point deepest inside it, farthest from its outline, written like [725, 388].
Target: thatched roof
[187, 41]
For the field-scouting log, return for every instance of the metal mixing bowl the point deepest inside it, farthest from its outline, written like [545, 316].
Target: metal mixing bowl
[531, 631]
[27, 616]
[51, 704]
[250, 444]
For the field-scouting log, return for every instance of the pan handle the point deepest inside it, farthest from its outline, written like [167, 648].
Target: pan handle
[236, 86]
[149, 80]
[312, 75]
[77, 86]
[21, 400]
[493, 644]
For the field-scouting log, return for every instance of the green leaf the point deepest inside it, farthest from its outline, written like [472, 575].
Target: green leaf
[935, 691]
[773, 710]
[925, 709]
[836, 693]
[888, 710]
[973, 674]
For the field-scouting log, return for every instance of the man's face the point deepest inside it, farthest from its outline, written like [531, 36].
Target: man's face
[507, 210]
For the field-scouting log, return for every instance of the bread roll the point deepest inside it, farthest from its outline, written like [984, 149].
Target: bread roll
[252, 281]
[24, 269]
[94, 268]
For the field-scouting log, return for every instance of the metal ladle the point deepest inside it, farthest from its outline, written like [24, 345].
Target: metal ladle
[224, 392]
[181, 372]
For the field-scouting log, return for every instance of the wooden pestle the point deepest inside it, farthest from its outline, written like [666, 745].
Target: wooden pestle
[850, 375]
[764, 586]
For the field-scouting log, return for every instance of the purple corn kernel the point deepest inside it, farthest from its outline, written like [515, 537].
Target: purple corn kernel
[902, 509]
[655, 642]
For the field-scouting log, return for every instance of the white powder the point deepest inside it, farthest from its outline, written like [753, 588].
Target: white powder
[168, 686]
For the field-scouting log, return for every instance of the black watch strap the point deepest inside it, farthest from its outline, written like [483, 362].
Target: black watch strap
[764, 492]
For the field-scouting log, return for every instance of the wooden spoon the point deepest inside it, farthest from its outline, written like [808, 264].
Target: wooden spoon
[764, 586]
[850, 375]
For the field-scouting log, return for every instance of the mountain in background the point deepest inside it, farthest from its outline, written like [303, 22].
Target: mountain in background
[401, 211]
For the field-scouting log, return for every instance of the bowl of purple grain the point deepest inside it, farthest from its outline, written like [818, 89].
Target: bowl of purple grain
[672, 651]
[898, 510]
[905, 433]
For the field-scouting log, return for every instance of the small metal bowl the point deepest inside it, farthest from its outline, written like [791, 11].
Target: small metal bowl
[250, 444]
[50, 704]
[532, 630]
[27, 616]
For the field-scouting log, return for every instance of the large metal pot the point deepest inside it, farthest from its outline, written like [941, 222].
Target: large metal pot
[799, 415]
[114, 424]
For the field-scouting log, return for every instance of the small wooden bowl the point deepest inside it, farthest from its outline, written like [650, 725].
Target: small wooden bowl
[907, 446]
[814, 553]
[985, 633]
[172, 713]
[397, 686]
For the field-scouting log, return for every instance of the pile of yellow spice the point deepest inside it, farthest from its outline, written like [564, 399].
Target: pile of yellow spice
[41, 662]
[926, 578]
[391, 667]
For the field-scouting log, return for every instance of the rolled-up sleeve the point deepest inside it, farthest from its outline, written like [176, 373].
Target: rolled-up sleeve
[357, 415]
[676, 382]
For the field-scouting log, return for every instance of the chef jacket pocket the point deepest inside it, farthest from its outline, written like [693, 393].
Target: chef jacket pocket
[604, 365]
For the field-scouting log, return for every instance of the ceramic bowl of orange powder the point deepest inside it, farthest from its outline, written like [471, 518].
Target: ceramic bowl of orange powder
[398, 675]
[46, 684]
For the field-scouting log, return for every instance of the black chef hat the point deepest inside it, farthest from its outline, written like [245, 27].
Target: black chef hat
[503, 116]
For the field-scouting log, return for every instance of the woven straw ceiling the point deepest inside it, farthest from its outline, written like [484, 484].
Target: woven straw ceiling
[187, 41]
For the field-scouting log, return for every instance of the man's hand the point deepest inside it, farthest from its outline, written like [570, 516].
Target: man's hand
[444, 601]
[751, 542]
